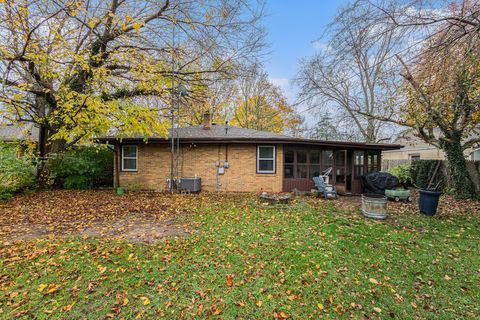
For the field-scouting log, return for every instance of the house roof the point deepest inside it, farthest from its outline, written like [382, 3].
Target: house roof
[15, 132]
[229, 134]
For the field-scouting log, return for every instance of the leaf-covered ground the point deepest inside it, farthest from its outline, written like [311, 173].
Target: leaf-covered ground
[138, 217]
[239, 259]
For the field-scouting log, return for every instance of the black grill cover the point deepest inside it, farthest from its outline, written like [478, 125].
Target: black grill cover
[378, 182]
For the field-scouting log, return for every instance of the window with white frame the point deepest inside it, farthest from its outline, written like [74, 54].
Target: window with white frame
[266, 159]
[129, 158]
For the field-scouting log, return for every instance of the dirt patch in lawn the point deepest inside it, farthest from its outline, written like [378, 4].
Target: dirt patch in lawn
[138, 217]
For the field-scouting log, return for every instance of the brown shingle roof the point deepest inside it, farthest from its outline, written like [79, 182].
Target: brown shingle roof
[223, 134]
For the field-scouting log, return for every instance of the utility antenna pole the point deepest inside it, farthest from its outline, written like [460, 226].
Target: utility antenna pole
[172, 109]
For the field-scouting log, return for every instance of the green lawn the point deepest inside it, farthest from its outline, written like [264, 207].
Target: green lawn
[247, 261]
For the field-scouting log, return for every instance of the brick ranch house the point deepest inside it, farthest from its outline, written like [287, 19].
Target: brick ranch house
[235, 159]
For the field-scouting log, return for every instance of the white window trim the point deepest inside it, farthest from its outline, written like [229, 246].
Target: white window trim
[130, 158]
[274, 159]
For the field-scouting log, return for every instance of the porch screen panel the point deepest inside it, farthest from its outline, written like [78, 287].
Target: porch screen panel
[358, 164]
[314, 161]
[289, 160]
[306, 163]
[302, 164]
[373, 164]
[327, 162]
[340, 167]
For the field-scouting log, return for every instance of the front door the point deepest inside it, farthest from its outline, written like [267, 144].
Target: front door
[341, 171]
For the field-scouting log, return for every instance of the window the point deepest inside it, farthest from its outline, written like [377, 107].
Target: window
[414, 157]
[265, 159]
[129, 158]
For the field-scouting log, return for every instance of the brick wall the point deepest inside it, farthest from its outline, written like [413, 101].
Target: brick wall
[154, 168]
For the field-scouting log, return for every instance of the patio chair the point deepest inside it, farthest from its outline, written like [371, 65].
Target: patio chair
[327, 190]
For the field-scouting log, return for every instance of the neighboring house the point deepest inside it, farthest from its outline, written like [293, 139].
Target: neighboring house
[416, 149]
[18, 133]
[228, 158]
[475, 155]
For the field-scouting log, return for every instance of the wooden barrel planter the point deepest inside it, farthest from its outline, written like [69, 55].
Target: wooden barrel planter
[374, 206]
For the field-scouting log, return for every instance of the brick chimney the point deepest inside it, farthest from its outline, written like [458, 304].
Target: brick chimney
[207, 120]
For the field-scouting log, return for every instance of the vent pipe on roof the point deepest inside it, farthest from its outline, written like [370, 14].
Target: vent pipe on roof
[207, 120]
[226, 127]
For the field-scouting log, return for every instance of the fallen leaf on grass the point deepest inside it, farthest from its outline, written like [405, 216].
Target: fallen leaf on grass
[52, 287]
[258, 303]
[280, 315]
[42, 287]
[320, 306]
[145, 300]
[68, 307]
[229, 281]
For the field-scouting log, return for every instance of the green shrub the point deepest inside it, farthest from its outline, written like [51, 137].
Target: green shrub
[82, 168]
[402, 172]
[422, 171]
[16, 173]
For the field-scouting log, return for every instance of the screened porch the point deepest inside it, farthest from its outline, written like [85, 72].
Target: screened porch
[342, 167]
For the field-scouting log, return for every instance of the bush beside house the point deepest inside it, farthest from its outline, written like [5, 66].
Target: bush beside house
[85, 167]
[403, 173]
[16, 173]
[420, 172]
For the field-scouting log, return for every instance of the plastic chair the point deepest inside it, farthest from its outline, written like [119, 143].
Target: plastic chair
[327, 190]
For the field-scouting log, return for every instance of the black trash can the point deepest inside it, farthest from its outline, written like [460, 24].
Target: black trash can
[428, 201]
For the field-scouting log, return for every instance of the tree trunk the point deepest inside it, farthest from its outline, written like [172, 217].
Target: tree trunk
[41, 105]
[370, 130]
[45, 146]
[464, 187]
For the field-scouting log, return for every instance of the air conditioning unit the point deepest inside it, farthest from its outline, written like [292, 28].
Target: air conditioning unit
[192, 185]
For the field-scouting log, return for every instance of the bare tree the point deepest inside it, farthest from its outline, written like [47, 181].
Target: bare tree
[353, 75]
[442, 82]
